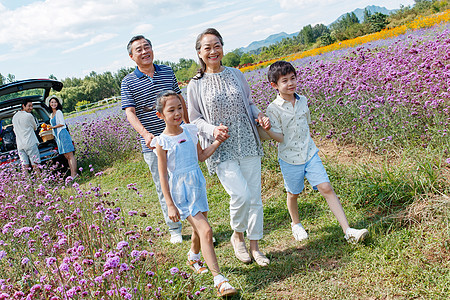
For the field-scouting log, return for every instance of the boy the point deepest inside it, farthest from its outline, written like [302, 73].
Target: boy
[297, 153]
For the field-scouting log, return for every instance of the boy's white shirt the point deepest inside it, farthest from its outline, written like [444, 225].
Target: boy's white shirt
[292, 121]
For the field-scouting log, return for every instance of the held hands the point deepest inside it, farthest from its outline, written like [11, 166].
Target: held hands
[148, 137]
[221, 133]
[173, 213]
[263, 121]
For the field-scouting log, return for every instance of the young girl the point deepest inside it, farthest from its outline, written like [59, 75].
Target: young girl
[178, 152]
[63, 139]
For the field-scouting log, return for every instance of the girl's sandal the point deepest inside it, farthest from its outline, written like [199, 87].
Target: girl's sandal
[225, 289]
[197, 266]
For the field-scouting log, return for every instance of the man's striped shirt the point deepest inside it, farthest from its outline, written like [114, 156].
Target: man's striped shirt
[139, 91]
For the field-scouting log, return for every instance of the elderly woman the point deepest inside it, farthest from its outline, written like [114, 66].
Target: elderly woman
[219, 103]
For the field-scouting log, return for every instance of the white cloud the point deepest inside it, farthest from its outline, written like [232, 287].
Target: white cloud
[289, 4]
[93, 41]
[15, 55]
[142, 29]
[69, 20]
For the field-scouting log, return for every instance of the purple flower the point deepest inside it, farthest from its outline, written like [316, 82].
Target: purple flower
[174, 270]
[111, 263]
[64, 267]
[124, 267]
[107, 273]
[122, 244]
[2, 254]
[25, 260]
[50, 261]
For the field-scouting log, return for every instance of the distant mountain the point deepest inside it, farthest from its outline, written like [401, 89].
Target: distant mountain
[359, 12]
[255, 47]
[272, 39]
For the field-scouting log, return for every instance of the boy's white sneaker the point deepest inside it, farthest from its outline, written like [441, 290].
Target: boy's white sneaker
[354, 236]
[299, 232]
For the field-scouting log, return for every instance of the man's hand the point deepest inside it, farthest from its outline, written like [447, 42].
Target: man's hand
[148, 137]
[221, 133]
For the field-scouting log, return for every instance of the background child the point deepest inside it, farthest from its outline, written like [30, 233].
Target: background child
[178, 152]
[297, 153]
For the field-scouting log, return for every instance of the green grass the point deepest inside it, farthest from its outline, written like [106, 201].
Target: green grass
[403, 204]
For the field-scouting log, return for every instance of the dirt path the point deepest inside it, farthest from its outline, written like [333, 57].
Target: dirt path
[346, 154]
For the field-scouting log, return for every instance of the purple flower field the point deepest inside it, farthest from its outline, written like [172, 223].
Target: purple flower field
[95, 114]
[393, 93]
[103, 136]
[61, 241]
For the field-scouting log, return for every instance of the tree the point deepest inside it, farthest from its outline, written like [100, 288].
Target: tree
[326, 39]
[187, 73]
[347, 27]
[246, 59]
[319, 30]
[306, 35]
[71, 95]
[377, 22]
[347, 20]
[2, 79]
[10, 78]
[231, 59]
[422, 5]
[367, 15]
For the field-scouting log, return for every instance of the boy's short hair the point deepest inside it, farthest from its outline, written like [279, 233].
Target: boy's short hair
[278, 69]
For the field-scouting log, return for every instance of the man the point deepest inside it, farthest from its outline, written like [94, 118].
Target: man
[139, 90]
[25, 126]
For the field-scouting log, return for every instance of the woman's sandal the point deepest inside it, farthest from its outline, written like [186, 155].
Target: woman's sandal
[197, 266]
[225, 289]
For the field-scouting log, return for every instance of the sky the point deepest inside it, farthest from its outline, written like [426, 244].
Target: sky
[72, 38]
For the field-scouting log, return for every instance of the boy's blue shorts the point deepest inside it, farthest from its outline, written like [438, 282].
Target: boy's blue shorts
[294, 175]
